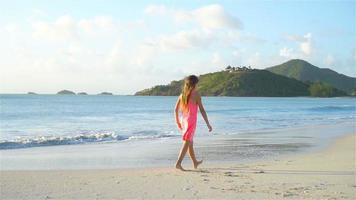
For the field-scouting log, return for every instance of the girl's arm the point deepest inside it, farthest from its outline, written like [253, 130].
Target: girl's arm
[176, 113]
[203, 113]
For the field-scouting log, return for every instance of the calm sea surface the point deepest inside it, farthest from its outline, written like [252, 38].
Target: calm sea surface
[52, 123]
[42, 120]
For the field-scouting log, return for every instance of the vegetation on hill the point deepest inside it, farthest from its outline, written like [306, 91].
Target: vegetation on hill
[250, 82]
[353, 93]
[82, 93]
[172, 89]
[304, 71]
[105, 93]
[65, 92]
[245, 81]
[320, 89]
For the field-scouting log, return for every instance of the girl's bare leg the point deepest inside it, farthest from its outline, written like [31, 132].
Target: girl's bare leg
[192, 156]
[182, 153]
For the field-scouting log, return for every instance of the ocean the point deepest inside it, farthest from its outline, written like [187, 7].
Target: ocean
[58, 131]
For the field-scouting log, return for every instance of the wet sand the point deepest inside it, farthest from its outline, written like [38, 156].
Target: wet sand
[327, 174]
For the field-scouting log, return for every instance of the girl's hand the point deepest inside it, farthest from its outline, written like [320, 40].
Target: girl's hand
[179, 126]
[209, 127]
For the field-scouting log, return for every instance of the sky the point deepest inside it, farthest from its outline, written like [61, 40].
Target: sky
[126, 46]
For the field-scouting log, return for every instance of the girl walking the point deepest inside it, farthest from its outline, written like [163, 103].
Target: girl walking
[187, 104]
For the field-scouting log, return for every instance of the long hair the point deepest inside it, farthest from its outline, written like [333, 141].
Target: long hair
[189, 84]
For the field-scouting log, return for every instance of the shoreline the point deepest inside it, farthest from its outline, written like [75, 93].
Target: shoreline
[241, 148]
[248, 147]
[327, 173]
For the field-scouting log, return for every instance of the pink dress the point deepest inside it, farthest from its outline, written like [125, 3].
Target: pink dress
[189, 121]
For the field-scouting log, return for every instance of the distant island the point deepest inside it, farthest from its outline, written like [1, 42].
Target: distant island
[66, 92]
[289, 79]
[32, 93]
[106, 93]
[82, 93]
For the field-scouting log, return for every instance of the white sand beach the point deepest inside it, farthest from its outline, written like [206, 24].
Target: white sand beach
[327, 174]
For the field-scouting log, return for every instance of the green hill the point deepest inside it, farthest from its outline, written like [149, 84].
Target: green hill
[172, 89]
[237, 83]
[304, 71]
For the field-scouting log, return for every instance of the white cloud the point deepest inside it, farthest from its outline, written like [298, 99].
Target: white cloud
[65, 27]
[208, 17]
[117, 56]
[11, 28]
[214, 16]
[297, 38]
[185, 40]
[38, 13]
[86, 25]
[64, 50]
[306, 46]
[62, 28]
[212, 26]
[216, 59]
[329, 60]
[305, 43]
[104, 22]
[156, 10]
[144, 57]
[286, 52]
[196, 38]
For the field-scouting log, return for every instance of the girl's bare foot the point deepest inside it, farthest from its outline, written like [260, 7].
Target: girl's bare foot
[197, 164]
[179, 166]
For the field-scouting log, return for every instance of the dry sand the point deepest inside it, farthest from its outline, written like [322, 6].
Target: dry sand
[326, 174]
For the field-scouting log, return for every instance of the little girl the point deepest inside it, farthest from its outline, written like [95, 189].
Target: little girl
[188, 103]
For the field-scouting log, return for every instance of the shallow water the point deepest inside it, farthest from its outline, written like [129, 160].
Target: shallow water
[44, 120]
[54, 131]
